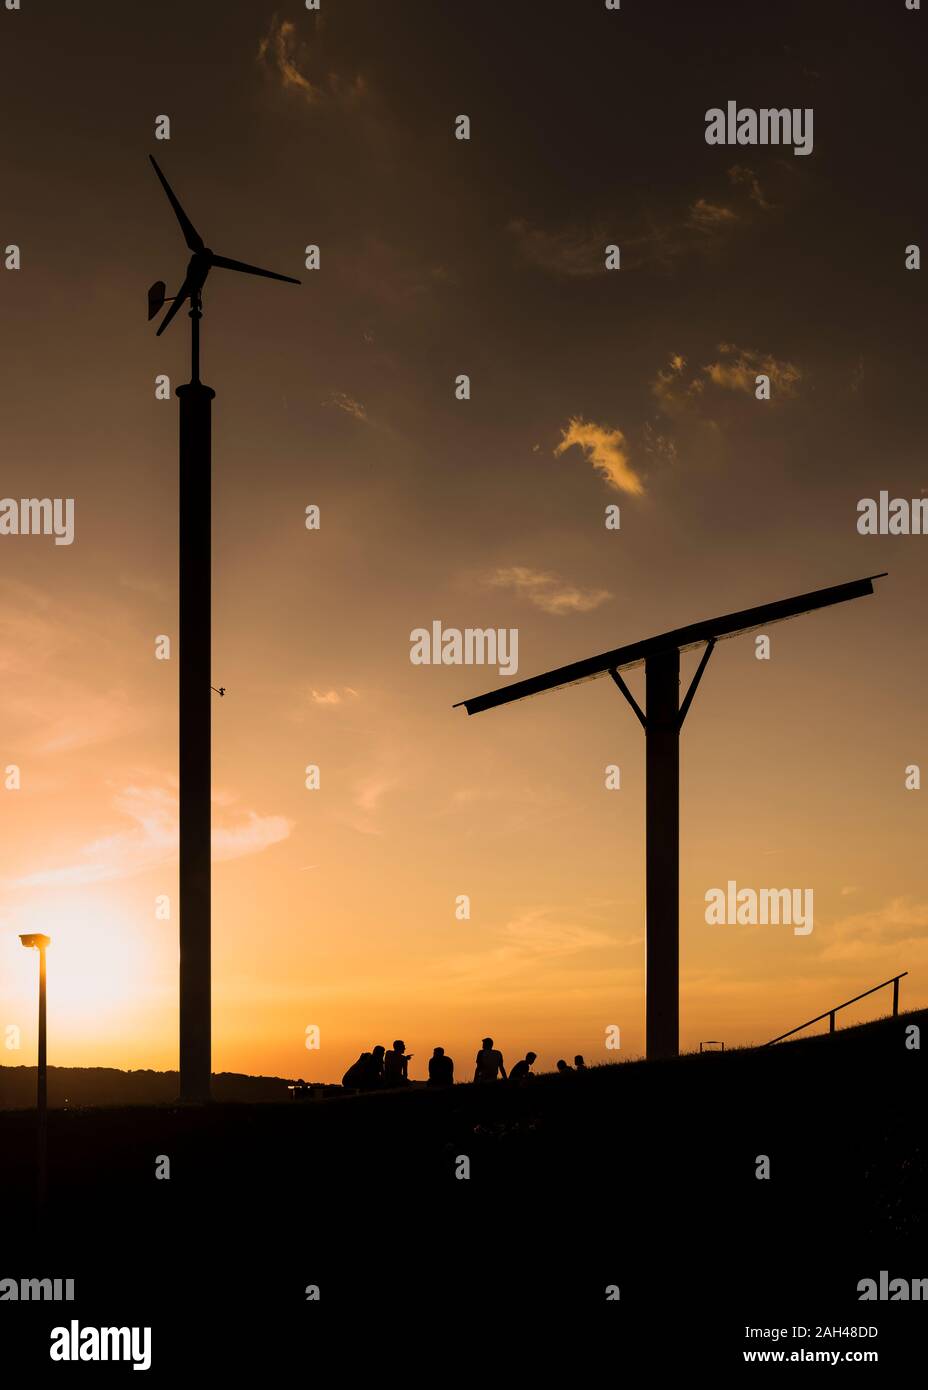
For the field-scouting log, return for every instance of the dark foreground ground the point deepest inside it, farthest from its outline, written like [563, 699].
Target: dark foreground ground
[640, 1176]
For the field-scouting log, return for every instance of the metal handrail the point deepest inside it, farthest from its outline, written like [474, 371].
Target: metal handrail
[830, 1013]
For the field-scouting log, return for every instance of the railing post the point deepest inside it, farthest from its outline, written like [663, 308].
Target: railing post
[895, 996]
[831, 1021]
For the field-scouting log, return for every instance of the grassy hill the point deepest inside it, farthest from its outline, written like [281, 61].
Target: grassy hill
[638, 1173]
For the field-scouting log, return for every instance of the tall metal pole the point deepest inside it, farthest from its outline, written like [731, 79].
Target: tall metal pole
[195, 634]
[665, 715]
[662, 872]
[42, 1088]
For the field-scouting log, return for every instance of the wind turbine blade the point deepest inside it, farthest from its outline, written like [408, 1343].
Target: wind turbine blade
[191, 235]
[180, 297]
[250, 269]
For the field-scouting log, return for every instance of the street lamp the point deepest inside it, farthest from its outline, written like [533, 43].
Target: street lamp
[40, 943]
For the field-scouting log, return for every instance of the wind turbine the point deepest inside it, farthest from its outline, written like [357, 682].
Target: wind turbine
[198, 267]
[194, 634]
[662, 723]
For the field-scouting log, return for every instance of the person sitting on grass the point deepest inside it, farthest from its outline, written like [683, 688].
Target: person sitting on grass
[356, 1077]
[563, 1068]
[375, 1068]
[522, 1071]
[395, 1065]
[489, 1062]
[441, 1069]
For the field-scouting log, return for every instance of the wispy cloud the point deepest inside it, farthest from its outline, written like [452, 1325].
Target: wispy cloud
[737, 368]
[291, 60]
[579, 252]
[347, 403]
[680, 391]
[250, 836]
[659, 446]
[571, 251]
[606, 450]
[527, 952]
[151, 839]
[745, 178]
[281, 48]
[370, 792]
[547, 591]
[51, 697]
[365, 810]
[701, 227]
[674, 392]
[896, 934]
[710, 217]
[393, 276]
[333, 697]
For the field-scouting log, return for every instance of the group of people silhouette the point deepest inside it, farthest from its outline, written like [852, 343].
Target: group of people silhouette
[380, 1069]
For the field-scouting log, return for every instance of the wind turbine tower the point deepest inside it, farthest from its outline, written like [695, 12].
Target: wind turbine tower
[194, 642]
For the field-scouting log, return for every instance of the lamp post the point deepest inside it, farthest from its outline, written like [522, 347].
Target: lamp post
[41, 943]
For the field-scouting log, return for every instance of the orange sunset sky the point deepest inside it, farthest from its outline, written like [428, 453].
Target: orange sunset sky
[336, 907]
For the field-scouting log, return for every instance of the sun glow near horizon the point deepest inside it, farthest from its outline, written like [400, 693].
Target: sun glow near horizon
[102, 977]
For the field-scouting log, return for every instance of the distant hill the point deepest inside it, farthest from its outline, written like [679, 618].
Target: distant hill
[69, 1087]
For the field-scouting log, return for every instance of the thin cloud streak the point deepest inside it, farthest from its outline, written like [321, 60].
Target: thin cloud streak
[547, 591]
[153, 840]
[606, 450]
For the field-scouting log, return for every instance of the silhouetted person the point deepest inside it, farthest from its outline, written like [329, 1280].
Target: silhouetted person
[376, 1066]
[563, 1068]
[441, 1069]
[489, 1062]
[395, 1065]
[522, 1071]
[357, 1076]
[579, 1063]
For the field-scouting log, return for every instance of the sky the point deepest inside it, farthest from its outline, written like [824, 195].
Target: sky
[335, 909]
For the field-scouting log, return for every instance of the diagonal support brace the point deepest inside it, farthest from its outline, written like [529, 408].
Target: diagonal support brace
[688, 698]
[630, 698]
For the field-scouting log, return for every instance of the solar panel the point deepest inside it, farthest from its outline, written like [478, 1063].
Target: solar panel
[682, 639]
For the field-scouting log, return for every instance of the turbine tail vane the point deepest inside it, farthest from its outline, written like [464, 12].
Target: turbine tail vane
[156, 298]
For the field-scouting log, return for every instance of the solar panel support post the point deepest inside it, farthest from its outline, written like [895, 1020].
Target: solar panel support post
[662, 840]
[662, 721]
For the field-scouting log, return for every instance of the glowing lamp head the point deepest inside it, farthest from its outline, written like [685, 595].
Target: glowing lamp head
[36, 940]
